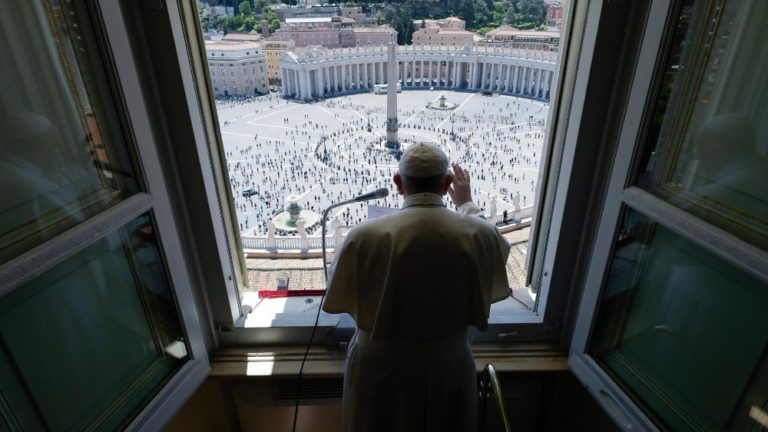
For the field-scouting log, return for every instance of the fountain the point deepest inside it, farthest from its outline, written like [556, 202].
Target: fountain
[295, 216]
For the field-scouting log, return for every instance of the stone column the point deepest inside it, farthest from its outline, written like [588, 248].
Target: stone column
[488, 75]
[421, 74]
[472, 72]
[305, 87]
[430, 74]
[365, 76]
[392, 139]
[514, 80]
[284, 82]
[550, 81]
[530, 81]
[297, 83]
[319, 80]
[292, 86]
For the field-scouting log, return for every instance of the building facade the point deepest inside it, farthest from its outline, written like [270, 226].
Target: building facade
[555, 17]
[241, 37]
[273, 49]
[443, 32]
[511, 37]
[452, 23]
[237, 69]
[371, 36]
[318, 73]
[437, 37]
[329, 32]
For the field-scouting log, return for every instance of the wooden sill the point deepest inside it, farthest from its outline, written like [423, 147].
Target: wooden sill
[285, 361]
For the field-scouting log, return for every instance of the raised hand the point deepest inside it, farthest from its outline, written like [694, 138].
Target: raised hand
[460, 190]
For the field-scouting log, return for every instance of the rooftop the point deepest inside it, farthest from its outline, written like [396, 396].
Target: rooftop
[241, 37]
[308, 20]
[511, 31]
[231, 46]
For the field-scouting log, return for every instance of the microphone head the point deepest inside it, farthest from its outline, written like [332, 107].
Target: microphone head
[381, 193]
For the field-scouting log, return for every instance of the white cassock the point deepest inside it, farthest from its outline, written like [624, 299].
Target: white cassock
[414, 282]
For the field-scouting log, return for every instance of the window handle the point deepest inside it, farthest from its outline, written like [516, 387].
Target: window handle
[615, 410]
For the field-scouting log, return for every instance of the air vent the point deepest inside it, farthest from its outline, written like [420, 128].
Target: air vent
[310, 389]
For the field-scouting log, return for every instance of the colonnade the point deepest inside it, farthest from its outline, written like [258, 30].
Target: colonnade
[334, 72]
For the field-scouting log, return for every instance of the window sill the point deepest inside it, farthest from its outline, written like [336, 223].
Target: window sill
[285, 361]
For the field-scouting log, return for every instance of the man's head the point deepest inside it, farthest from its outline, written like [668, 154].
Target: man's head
[423, 168]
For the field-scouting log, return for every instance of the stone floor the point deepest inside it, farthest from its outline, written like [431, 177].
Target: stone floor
[328, 151]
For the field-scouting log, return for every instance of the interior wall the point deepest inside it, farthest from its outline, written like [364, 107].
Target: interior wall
[546, 402]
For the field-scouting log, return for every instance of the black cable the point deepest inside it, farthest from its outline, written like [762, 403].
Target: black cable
[317, 316]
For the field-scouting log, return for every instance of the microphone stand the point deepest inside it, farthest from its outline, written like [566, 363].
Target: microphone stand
[380, 193]
[319, 307]
[323, 219]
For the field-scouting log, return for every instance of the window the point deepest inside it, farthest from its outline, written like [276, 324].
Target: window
[89, 289]
[270, 139]
[656, 218]
[672, 329]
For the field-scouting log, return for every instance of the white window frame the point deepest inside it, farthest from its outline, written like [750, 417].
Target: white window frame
[566, 109]
[621, 197]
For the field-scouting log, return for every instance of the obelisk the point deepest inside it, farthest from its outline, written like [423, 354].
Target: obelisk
[393, 143]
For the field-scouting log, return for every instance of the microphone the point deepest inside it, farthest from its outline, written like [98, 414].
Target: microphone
[378, 193]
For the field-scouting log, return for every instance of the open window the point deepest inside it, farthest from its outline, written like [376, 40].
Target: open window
[98, 326]
[671, 332]
[316, 140]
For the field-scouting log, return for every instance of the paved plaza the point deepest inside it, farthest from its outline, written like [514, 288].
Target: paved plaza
[332, 150]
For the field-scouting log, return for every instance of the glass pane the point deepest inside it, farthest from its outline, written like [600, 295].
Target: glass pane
[708, 149]
[684, 332]
[88, 342]
[62, 159]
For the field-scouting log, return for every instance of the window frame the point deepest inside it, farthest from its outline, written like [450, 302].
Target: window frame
[121, 79]
[621, 197]
[565, 119]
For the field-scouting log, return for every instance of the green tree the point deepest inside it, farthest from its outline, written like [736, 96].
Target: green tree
[402, 22]
[272, 19]
[249, 23]
[245, 8]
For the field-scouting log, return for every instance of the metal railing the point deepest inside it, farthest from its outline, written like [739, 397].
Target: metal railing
[489, 385]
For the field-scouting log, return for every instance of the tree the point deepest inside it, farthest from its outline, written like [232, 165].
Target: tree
[249, 23]
[245, 8]
[272, 19]
[402, 22]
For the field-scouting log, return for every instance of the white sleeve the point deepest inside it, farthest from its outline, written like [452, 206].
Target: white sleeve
[471, 209]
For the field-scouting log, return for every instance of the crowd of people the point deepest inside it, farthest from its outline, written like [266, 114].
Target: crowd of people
[333, 150]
